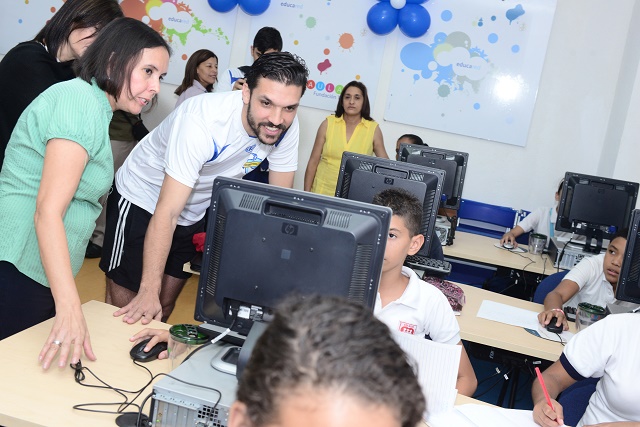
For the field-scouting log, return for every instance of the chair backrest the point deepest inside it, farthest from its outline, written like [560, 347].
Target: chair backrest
[548, 284]
[485, 219]
[575, 399]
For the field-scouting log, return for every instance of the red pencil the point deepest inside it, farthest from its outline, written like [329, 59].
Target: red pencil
[544, 387]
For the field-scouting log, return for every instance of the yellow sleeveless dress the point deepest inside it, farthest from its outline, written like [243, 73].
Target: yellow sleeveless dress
[361, 142]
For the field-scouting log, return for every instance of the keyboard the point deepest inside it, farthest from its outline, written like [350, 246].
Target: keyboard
[429, 265]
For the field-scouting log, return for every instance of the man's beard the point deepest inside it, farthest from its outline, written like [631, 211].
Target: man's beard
[255, 127]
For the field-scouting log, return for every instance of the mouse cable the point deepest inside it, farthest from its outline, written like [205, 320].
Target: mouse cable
[79, 377]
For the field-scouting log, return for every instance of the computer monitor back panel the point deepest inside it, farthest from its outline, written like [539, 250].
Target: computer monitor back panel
[362, 177]
[628, 288]
[454, 163]
[265, 243]
[593, 205]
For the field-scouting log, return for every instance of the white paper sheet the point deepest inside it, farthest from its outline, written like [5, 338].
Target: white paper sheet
[527, 319]
[437, 365]
[508, 314]
[472, 415]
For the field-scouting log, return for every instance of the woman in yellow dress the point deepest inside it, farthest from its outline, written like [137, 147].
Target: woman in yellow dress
[352, 129]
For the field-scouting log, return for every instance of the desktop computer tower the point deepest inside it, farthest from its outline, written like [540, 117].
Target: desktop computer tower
[573, 253]
[176, 404]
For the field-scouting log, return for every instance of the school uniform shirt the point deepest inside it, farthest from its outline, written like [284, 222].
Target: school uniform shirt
[594, 287]
[543, 221]
[196, 143]
[422, 310]
[608, 349]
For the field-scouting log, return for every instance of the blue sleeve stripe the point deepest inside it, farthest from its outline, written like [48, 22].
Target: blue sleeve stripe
[569, 368]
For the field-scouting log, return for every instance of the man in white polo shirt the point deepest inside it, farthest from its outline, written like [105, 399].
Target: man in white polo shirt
[164, 188]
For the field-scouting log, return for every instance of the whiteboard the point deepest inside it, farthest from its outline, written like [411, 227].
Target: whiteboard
[476, 71]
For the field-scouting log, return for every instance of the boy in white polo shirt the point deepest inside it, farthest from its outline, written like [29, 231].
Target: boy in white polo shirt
[404, 302]
[592, 280]
[608, 349]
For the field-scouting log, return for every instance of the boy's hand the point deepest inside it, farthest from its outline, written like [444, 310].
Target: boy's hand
[546, 416]
[156, 335]
[237, 85]
[545, 317]
[510, 238]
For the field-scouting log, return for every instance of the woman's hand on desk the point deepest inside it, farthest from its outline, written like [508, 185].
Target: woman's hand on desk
[545, 317]
[69, 334]
[155, 336]
[546, 416]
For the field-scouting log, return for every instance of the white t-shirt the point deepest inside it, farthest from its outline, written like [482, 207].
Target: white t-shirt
[226, 80]
[608, 349]
[422, 310]
[200, 140]
[543, 221]
[594, 287]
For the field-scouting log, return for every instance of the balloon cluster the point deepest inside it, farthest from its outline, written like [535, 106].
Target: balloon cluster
[412, 18]
[250, 7]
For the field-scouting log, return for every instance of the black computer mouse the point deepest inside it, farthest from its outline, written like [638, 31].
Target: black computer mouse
[137, 351]
[551, 327]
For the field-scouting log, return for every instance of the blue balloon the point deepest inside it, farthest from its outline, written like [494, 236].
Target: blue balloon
[382, 18]
[254, 7]
[414, 20]
[223, 6]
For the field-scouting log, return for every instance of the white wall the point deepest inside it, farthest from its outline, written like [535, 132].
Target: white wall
[585, 119]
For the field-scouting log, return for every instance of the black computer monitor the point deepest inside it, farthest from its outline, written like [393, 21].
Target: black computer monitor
[454, 163]
[629, 280]
[362, 177]
[595, 207]
[266, 242]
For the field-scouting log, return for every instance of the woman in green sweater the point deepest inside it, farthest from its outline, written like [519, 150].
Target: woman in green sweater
[58, 163]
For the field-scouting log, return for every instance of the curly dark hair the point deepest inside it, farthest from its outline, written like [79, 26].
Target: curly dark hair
[326, 343]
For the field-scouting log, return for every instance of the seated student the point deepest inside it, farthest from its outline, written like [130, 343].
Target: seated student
[324, 361]
[408, 138]
[542, 221]
[406, 303]
[607, 349]
[592, 280]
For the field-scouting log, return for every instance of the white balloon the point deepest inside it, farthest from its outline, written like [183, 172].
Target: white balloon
[398, 4]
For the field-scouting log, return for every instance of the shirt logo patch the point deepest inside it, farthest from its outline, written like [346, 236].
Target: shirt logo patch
[250, 148]
[251, 163]
[407, 328]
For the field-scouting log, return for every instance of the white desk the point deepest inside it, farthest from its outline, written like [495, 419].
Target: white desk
[32, 397]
